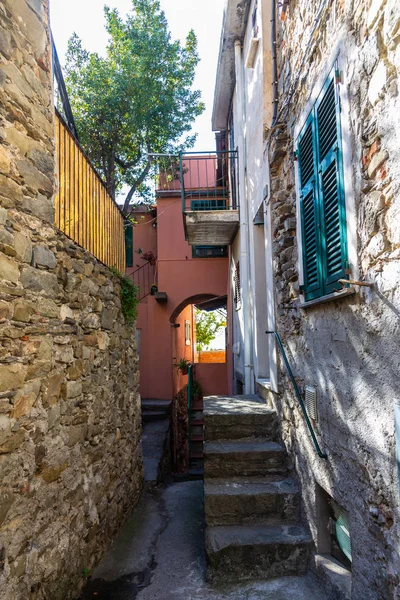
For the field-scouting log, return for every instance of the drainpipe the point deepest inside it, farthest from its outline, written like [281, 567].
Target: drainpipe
[244, 227]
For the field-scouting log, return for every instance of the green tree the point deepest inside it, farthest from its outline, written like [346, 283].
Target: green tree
[136, 101]
[208, 326]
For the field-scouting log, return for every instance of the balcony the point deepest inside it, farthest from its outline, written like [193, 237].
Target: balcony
[207, 185]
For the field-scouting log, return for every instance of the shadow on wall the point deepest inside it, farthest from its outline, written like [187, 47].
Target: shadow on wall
[344, 352]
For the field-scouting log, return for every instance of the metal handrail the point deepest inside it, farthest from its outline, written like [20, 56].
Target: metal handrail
[190, 402]
[144, 277]
[298, 394]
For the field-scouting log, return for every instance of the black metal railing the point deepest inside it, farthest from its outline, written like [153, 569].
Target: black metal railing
[208, 180]
[145, 278]
[298, 394]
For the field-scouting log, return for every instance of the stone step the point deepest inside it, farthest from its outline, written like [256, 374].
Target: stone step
[156, 404]
[154, 415]
[245, 500]
[244, 552]
[243, 458]
[238, 417]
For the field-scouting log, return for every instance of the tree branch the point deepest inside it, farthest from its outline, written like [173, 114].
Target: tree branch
[136, 184]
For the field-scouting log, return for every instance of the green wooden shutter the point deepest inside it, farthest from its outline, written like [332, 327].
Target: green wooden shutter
[129, 245]
[312, 267]
[332, 213]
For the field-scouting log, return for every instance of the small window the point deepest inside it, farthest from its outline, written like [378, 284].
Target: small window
[322, 202]
[238, 292]
[209, 251]
[187, 333]
[333, 528]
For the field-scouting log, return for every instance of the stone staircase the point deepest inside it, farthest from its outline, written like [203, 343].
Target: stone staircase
[252, 504]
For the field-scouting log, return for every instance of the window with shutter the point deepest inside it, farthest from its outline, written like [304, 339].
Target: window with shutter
[322, 204]
[129, 245]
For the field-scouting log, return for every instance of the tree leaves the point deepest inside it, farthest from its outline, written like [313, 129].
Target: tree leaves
[208, 326]
[138, 99]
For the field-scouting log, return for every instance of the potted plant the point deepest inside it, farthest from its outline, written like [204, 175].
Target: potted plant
[183, 366]
[149, 256]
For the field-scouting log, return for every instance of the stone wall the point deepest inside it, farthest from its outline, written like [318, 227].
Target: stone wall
[348, 348]
[70, 452]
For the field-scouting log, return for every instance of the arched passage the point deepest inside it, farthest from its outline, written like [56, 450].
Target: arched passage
[197, 299]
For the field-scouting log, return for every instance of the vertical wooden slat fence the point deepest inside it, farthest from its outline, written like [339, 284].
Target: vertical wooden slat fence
[84, 210]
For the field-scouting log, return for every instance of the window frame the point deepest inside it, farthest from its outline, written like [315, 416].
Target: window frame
[337, 63]
[188, 333]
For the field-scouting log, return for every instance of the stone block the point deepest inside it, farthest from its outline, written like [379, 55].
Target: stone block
[34, 178]
[5, 42]
[52, 473]
[376, 162]
[12, 376]
[25, 399]
[63, 354]
[23, 247]
[44, 257]
[13, 442]
[108, 318]
[41, 207]
[22, 312]
[43, 161]
[91, 321]
[9, 269]
[66, 313]
[5, 162]
[53, 389]
[39, 281]
[76, 434]
[38, 368]
[31, 26]
[3, 215]
[7, 499]
[73, 389]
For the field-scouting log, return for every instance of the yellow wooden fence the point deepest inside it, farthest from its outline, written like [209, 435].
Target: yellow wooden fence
[84, 210]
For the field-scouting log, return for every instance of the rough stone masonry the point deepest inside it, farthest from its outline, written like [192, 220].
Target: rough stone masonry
[347, 349]
[70, 453]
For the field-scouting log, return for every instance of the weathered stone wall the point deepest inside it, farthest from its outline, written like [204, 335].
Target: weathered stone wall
[348, 348]
[70, 453]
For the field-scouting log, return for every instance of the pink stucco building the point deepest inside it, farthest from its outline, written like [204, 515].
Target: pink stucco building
[185, 276]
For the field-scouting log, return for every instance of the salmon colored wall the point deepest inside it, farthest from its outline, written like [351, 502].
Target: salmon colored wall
[144, 237]
[181, 277]
[212, 378]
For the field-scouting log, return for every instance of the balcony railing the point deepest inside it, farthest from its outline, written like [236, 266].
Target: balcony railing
[208, 180]
[84, 210]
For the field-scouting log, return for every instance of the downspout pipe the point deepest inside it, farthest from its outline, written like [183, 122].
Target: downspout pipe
[245, 274]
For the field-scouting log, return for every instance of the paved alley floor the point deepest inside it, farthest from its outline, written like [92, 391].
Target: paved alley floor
[159, 555]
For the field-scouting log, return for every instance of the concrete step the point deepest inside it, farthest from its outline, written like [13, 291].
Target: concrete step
[238, 417]
[246, 500]
[244, 552]
[243, 458]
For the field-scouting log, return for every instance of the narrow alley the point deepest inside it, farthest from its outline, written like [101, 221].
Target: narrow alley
[159, 555]
[199, 300]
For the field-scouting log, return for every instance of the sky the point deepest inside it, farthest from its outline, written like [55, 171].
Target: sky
[86, 18]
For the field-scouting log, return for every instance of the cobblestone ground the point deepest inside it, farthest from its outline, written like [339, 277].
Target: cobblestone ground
[159, 555]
